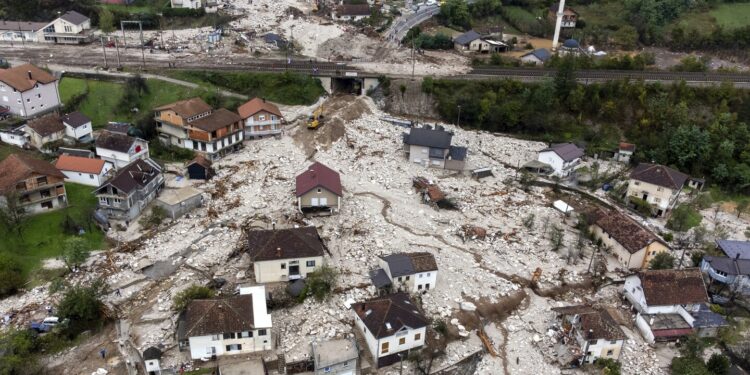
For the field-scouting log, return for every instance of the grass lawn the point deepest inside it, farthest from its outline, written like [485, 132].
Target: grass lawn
[43, 234]
[732, 15]
[6, 149]
[102, 102]
[518, 13]
[609, 14]
[699, 21]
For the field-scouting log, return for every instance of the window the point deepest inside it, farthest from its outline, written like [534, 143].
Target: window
[428, 274]
[68, 29]
[283, 266]
[399, 279]
[310, 263]
[613, 342]
[421, 275]
[402, 341]
[427, 286]
[102, 200]
[38, 95]
[610, 352]
[419, 287]
[407, 278]
[41, 180]
[384, 348]
[45, 193]
[319, 191]
[215, 337]
[91, 176]
[28, 100]
[261, 332]
[660, 189]
[247, 334]
[636, 183]
[211, 350]
[233, 347]
[417, 336]
[228, 336]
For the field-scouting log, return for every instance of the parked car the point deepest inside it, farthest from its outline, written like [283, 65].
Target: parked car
[45, 325]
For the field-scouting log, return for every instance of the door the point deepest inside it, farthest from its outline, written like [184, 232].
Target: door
[645, 197]
[313, 201]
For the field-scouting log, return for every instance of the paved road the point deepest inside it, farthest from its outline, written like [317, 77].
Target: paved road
[403, 24]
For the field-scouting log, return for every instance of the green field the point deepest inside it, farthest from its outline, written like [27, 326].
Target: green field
[518, 13]
[732, 16]
[609, 14]
[103, 99]
[43, 234]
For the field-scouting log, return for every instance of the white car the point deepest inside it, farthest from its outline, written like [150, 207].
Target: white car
[51, 321]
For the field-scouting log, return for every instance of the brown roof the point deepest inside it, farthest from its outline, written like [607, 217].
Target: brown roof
[218, 119]
[202, 161]
[47, 125]
[627, 146]
[256, 105]
[660, 175]
[353, 10]
[216, 316]
[318, 175]
[284, 243]
[17, 167]
[79, 164]
[595, 323]
[75, 119]
[21, 25]
[626, 231]
[386, 315]
[18, 77]
[673, 287]
[186, 108]
[135, 175]
[403, 264]
[114, 141]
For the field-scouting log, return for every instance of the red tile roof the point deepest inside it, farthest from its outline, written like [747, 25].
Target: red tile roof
[16, 168]
[256, 105]
[24, 77]
[319, 175]
[673, 287]
[626, 231]
[186, 108]
[79, 164]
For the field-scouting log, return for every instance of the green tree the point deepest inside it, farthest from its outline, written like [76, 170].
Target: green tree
[556, 238]
[75, 252]
[320, 283]
[11, 274]
[82, 307]
[183, 298]
[718, 364]
[12, 215]
[106, 21]
[683, 218]
[609, 366]
[662, 261]
[18, 357]
[689, 365]
[456, 13]
[688, 146]
[626, 37]
[565, 80]
[742, 206]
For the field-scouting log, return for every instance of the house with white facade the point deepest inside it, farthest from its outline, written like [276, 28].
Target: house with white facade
[21, 31]
[318, 190]
[732, 268]
[120, 149]
[239, 324]
[189, 4]
[15, 136]
[666, 302]
[84, 171]
[284, 254]
[335, 357]
[70, 28]
[261, 118]
[406, 272]
[564, 158]
[44, 130]
[124, 196]
[591, 333]
[630, 242]
[392, 326]
[28, 91]
[625, 152]
[657, 185]
[78, 127]
[432, 148]
[351, 12]
[538, 56]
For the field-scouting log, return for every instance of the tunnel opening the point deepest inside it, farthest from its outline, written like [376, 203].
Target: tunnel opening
[346, 85]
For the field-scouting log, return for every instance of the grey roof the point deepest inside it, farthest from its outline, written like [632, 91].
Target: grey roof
[74, 17]
[429, 138]
[76, 152]
[730, 266]
[540, 53]
[705, 318]
[75, 119]
[329, 353]
[114, 141]
[467, 37]
[732, 248]
[402, 264]
[566, 151]
[571, 43]
[379, 278]
[457, 153]
[21, 25]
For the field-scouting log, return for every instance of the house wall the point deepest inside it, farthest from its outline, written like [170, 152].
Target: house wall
[177, 210]
[199, 345]
[13, 138]
[601, 350]
[270, 270]
[129, 206]
[644, 329]
[192, 4]
[121, 159]
[372, 342]
[554, 160]
[19, 36]
[479, 45]
[531, 59]
[661, 197]
[60, 26]
[455, 165]
[306, 200]
[342, 368]
[262, 123]
[634, 293]
[80, 132]
[90, 179]
[421, 155]
[216, 148]
[415, 281]
[170, 134]
[38, 141]
[31, 199]
[43, 98]
[409, 341]
[637, 260]
[152, 365]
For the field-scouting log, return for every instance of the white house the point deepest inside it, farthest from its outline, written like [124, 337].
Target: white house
[657, 185]
[538, 56]
[70, 28]
[594, 331]
[562, 157]
[665, 301]
[152, 360]
[351, 12]
[392, 326]
[27, 91]
[732, 268]
[84, 171]
[335, 357]
[406, 272]
[20, 31]
[261, 118]
[120, 149]
[234, 325]
[78, 127]
[15, 136]
[191, 4]
[284, 254]
[630, 242]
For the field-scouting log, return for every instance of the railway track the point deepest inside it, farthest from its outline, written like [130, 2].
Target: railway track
[616, 74]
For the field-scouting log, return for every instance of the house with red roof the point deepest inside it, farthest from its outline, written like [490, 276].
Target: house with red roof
[261, 118]
[319, 190]
[84, 171]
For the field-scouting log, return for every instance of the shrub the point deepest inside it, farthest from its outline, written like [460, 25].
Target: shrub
[155, 218]
[683, 218]
[696, 258]
[668, 236]
[662, 261]
[11, 274]
[83, 308]
[320, 283]
[718, 364]
[183, 298]
[608, 365]
[440, 326]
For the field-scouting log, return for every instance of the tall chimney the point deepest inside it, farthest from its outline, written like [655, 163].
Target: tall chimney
[29, 72]
[278, 252]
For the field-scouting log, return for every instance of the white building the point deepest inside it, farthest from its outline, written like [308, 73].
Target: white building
[14, 136]
[392, 327]
[70, 28]
[120, 149]
[538, 56]
[284, 254]
[657, 185]
[20, 31]
[563, 158]
[78, 127]
[191, 4]
[335, 357]
[406, 272]
[84, 171]
[235, 325]
[152, 361]
[28, 91]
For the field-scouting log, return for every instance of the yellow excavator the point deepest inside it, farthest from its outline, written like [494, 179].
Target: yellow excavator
[316, 119]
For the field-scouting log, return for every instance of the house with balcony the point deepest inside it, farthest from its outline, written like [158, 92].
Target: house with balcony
[261, 118]
[432, 148]
[730, 270]
[630, 242]
[36, 184]
[130, 190]
[20, 31]
[240, 324]
[70, 28]
[590, 333]
[27, 91]
[669, 303]
[194, 125]
[406, 272]
[564, 158]
[657, 185]
[392, 327]
[569, 16]
[284, 254]
[46, 129]
[120, 149]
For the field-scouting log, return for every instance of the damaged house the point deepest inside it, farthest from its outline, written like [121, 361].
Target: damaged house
[432, 148]
[406, 272]
[632, 244]
[284, 254]
[590, 333]
[126, 195]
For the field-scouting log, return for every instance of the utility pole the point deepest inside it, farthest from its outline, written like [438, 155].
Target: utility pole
[117, 48]
[23, 40]
[104, 51]
[412, 59]
[458, 120]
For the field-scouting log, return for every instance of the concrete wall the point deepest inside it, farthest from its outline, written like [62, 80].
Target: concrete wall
[13, 138]
[644, 329]
[421, 155]
[270, 271]
[416, 283]
[177, 210]
[601, 350]
[40, 99]
[199, 346]
[410, 341]
[372, 342]
[90, 179]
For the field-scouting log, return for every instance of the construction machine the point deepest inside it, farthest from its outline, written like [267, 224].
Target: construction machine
[316, 119]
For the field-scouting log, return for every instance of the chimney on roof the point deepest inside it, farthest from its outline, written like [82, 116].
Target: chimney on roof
[273, 225]
[29, 72]
[278, 252]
